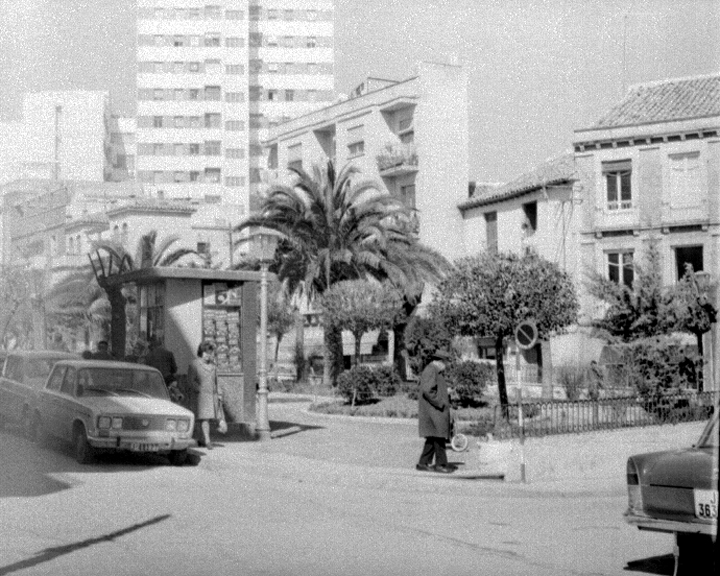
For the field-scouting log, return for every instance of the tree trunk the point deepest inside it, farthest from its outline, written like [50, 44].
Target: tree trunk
[701, 353]
[299, 346]
[502, 386]
[117, 322]
[356, 360]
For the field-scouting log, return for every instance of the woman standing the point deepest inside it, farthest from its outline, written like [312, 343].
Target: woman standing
[202, 379]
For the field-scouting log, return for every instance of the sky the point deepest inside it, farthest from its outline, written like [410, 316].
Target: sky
[538, 69]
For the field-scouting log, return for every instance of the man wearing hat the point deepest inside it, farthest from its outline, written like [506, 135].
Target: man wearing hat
[434, 414]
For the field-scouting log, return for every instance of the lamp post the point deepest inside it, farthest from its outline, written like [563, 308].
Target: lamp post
[263, 242]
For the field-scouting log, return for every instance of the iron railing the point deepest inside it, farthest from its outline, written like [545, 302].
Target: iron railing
[541, 418]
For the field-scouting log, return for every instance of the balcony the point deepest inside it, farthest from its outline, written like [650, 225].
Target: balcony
[397, 159]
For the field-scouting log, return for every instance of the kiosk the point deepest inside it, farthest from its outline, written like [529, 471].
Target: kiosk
[184, 306]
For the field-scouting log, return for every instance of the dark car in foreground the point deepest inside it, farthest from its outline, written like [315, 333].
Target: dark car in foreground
[676, 492]
[24, 373]
[104, 406]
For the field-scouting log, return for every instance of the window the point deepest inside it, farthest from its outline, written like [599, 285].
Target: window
[273, 14]
[213, 12]
[312, 42]
[356, 141]
[193, 66]
[212, 175]
[234, 153]
[692, 255]
[158, 94]
[233, 14]
[620, 267]
[272, 67]
[178, 149]
[194, 94]
[157, 121]
[254, 12]
[617, 176]
[288, 15]
[234, 69]
[212, 66]
[491, 232]
[684, 179]
[272, 94]
[68, 384]
[179, 41]
[234, 97]
[179, 122]
[213, 120]
[233, 42]
[407, 194]
[194, 176]
[255, 40]
[213, 148]
[203, 247]
[234, 125]
[234, 181]
[211, 40]
[530, 221]
[212, 93]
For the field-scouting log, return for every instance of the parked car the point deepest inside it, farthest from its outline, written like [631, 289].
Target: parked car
[676, 491]
[105, 406]
[23, 376]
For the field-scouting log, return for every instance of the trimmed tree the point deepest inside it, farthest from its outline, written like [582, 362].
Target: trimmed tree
[490, 294]
[360, 306]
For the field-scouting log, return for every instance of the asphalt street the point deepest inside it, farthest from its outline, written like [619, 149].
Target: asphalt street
[326, 496]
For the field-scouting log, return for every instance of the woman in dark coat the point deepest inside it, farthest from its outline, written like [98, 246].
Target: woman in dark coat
[434, 414]
[202, 379]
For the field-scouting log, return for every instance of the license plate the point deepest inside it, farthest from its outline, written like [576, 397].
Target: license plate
[706, 504]
[137, 447]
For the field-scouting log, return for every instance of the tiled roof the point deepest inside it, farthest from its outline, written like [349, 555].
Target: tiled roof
[153, 206]
[664, 101]
[558, 170]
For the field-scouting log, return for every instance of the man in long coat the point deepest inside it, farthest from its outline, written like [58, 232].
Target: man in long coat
[434, 414]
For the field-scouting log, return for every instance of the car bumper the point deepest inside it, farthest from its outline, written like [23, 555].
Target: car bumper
[142, 444]
[661, 525]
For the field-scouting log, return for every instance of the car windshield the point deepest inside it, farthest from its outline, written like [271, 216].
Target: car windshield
[122, 382]
[709, 437]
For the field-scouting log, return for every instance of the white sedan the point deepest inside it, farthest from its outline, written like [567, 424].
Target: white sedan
[102, 406]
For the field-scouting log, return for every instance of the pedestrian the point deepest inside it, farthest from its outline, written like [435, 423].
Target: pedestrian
[434, 414]
[202, 380]
[138, 352]
[103, 352]
[161, 358]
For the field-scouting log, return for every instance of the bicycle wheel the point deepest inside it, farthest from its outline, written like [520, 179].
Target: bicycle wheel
[459, 443]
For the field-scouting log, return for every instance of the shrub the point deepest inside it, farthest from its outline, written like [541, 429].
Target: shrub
[572, 379]
[469, 380]
[356, 385]
[387, 380]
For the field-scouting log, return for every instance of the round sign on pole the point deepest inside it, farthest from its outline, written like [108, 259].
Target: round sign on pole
[526, 334]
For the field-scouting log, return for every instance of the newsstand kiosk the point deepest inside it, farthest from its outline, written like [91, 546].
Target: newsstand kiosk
[184, 306]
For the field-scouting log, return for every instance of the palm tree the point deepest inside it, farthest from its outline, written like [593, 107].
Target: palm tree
[148, 254]
[338, 229]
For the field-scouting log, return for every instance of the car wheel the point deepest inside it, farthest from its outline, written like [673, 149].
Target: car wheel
[178, 457]
[695, 554]
[84, 453]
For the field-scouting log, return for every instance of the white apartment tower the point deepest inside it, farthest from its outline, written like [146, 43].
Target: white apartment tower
[212, 77]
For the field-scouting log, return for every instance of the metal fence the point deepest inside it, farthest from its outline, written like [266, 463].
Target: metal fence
[541, 418]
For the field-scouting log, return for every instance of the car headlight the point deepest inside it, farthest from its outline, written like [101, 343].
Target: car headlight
[183, 425]
[104, 422]
[117, 423]
[170, 425]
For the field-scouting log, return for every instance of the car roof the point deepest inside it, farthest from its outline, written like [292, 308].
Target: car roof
[43, 354]
[106, 364]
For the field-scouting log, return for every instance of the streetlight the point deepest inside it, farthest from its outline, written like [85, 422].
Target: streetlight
[263, 243]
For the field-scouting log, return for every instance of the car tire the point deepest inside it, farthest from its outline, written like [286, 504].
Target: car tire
[178, 457]
[83, 451]
[696, 554]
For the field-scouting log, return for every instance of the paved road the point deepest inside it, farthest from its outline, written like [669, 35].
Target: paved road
[326, 496]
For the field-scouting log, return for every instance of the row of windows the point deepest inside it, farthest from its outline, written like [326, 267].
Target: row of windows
[274, 95]
[214, 40]
[210, 66]
[684, 182]
[215, 12]
[209, 120]
[206, 176]
[621, 269]
[208, 93]
[207, 148]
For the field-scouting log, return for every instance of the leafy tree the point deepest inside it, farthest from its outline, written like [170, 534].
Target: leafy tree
[637, 311]
[16, 286]
[490, 294]
[337, 228]
[280, 315]
[360, 306]
[423, 336]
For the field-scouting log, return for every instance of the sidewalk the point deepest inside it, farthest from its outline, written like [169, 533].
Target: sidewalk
[589, 462]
